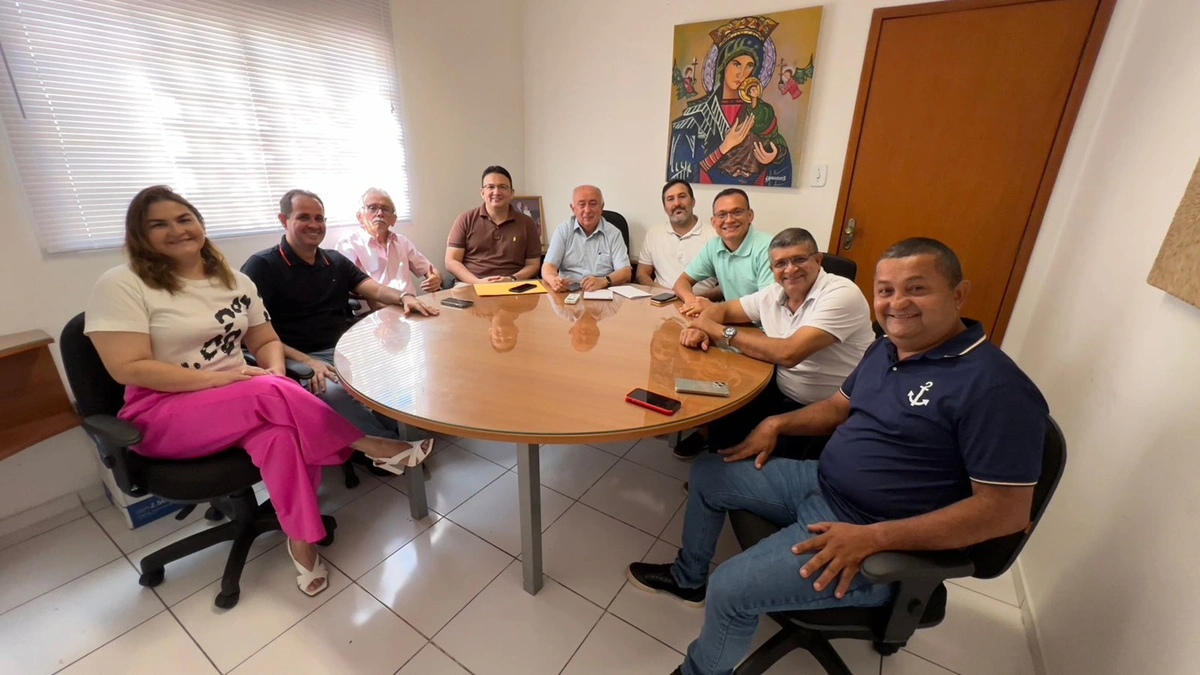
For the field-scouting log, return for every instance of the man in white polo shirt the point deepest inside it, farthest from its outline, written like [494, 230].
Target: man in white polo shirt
[816, 327]
[668, 249]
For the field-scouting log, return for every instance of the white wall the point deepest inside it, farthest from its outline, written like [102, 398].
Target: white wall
[597, 106]
[461, 116]
[1110, 573]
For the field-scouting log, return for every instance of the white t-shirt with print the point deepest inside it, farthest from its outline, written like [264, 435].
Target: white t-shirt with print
[200, 327]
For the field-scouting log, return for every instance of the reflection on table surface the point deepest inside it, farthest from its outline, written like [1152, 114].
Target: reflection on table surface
[531, 366]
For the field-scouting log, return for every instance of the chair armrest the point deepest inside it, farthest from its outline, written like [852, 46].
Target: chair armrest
[297, 370]
[111, 431]
[936, 566]
[293, 369]
[113, 436]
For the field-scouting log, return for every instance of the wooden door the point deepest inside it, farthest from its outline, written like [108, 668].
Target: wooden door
[964, 112]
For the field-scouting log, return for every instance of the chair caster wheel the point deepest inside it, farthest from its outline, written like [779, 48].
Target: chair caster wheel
[330, 528]
[212, 514]
[227, 600]
[151, 579]
[352, 481]
[888, 648]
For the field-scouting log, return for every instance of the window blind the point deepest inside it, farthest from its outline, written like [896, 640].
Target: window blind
[230, 103]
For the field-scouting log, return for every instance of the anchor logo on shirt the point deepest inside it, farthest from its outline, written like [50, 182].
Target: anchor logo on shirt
[915, 400]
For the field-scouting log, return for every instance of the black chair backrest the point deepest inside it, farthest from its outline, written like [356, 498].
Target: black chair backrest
[96, 393]
[618, 221]
[836, 264]
[994, 556]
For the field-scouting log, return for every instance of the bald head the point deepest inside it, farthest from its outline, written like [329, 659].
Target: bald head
[587, 204]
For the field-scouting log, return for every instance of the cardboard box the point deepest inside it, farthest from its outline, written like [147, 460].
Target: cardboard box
[137, 511]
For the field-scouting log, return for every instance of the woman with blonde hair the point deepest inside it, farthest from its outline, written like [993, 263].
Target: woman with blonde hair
[170, 326]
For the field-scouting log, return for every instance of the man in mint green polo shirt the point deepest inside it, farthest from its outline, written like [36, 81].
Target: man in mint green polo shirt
[737, 256]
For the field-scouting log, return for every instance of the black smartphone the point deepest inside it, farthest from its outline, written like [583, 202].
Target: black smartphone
[573, 287]
[522, 288]
[662, 298]
[457, 303]
[653, 401]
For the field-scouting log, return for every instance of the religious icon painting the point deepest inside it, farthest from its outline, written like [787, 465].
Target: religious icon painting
[740, 91]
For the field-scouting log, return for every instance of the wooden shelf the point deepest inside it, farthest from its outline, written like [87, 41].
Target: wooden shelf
[17, 439]
[33, 403]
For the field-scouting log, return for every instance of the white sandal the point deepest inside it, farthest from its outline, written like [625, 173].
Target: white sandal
[408, 458]
[305, 576]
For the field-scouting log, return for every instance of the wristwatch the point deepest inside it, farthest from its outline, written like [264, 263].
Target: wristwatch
[727, 335]
[608, 280]
[513, 277]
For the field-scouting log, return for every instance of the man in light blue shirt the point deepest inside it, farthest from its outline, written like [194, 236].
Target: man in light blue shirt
[737, 256]
[586, 248]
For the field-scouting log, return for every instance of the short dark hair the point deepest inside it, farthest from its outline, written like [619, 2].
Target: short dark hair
[496, 169]
[285, 203]
[944, 258]
[794, 236]
[728, 192]
[678, 181]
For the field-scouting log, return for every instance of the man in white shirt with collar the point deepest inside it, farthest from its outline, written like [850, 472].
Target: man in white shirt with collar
[816, 327]
[668, 249]
[586, 248]
[386, 256]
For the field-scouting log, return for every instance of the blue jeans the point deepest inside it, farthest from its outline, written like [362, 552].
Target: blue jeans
[765, 577]
[368, 421]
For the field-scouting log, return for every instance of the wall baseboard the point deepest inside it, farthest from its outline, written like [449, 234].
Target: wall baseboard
[1027, 620]
[44, 517]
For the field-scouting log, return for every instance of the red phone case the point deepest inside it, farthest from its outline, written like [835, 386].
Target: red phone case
[630, 399]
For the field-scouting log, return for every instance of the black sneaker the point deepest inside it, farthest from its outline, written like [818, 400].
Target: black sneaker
[688, 448]
[657, 579]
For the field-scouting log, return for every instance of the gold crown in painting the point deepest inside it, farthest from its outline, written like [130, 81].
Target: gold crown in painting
[757, 26]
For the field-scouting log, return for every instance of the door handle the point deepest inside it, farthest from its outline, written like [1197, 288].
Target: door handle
[851, 226]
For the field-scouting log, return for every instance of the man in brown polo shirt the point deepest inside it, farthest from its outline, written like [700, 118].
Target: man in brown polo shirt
[493, 242]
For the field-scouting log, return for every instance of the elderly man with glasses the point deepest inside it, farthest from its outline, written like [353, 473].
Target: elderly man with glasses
[494, 241]
[387, 257]
[815, 328]
[737, 256]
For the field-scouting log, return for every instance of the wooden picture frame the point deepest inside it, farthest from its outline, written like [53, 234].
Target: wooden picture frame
[532, 207]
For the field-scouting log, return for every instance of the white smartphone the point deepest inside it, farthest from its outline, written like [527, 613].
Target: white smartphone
[703, 387]
[571, 299]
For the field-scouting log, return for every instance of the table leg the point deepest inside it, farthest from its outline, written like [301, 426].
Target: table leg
[529, 479]
[418, 504]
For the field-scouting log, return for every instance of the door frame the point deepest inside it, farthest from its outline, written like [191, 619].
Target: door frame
[1062, 136]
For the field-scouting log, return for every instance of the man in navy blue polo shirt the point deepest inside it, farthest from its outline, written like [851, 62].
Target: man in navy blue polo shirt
[306, 290]
[937, 442]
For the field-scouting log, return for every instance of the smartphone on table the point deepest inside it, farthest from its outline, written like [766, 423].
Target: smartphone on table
[522, 288]
[457, 303]
[702, 387]
[656, 402]
[662, 298]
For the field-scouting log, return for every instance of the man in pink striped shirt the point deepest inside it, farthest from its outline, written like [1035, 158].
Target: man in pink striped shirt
[386, 256]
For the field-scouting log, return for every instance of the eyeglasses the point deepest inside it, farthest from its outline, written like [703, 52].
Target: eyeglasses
[497, 188]
[798, 261]
[726, 215]
[378, 208]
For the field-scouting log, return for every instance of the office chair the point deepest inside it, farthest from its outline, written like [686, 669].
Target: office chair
[836, 264]
[917, 580]
[224, 480]
[618, 221]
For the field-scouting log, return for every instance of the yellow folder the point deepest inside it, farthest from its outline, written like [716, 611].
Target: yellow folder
[505, 288]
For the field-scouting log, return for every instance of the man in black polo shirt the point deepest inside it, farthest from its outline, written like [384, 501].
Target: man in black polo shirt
[937, 442]
[306, 290]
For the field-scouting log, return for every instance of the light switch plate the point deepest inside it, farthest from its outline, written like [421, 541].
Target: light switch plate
[820, 173]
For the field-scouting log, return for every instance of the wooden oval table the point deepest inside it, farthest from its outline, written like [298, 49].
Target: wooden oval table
[532, 370]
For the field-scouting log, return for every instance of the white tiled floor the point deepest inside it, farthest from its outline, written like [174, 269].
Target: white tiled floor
[440, 596]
